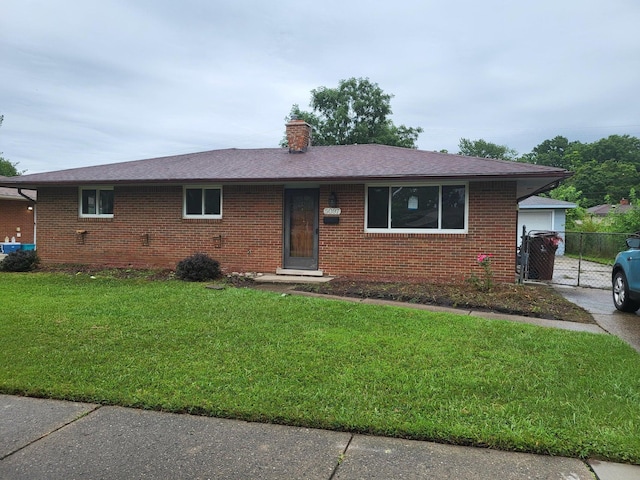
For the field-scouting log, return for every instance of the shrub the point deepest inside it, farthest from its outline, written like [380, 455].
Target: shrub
[20, 261]
[199, 267]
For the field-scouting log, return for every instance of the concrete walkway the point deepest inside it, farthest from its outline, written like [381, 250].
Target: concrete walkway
[50, 439]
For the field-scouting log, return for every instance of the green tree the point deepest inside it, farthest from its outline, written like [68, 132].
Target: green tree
[619, 148]
[600, 182]
[7, 169]
[357, 111]
[482, 148]
[605, 171]
[569, 193]
[627, 222]
[552, 153]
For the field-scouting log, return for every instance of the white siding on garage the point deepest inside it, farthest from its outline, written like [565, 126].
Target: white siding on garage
[552, 220]
[543, 213]
[534, 220]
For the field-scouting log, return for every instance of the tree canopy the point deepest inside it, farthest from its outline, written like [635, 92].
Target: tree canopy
[8, 169]
[551, 153]
[484, 149]
[604, 171]
[356, 112]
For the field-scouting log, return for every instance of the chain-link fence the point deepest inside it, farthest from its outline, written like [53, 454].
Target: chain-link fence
[582, 259]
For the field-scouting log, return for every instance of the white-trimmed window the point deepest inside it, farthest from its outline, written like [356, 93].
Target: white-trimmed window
[425, 208]
[202, 202]
[96, 202]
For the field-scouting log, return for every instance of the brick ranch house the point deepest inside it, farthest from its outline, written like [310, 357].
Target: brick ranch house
[349, 210]
[17, 214]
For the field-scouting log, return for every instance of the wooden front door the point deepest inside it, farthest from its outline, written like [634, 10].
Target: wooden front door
[301, 229]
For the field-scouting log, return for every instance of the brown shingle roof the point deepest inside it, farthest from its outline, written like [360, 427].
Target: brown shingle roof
[342, 162]
[603, 210]
[319, 164]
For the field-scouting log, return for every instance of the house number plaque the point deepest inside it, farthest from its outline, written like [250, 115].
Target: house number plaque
[332, 211]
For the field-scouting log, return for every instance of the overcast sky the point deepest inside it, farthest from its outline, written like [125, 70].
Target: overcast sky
[87, 82]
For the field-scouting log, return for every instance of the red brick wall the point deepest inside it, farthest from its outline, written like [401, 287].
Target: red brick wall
[298, 135]
[14, 215]
[148, 230]
[444, 258]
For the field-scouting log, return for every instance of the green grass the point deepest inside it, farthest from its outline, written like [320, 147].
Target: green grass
[602, 260]
[261, 356]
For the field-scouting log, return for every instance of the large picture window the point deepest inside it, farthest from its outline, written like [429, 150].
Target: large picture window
[203, 202]
[96, 202]
[416, 209]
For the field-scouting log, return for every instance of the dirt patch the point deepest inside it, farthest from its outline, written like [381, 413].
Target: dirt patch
[124, 273]
[539, 301]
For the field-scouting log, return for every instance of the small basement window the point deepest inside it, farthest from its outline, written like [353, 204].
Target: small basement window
[202, 202]
[96, 202]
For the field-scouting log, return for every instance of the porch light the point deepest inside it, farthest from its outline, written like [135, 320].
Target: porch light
[333, 200]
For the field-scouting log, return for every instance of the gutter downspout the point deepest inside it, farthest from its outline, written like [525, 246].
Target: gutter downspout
[26, 196]
[35, 213]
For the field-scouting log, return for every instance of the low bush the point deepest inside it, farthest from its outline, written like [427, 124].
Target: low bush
[199, 267]
[20, 261]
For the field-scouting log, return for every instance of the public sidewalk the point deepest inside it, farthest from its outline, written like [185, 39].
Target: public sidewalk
[50, 439]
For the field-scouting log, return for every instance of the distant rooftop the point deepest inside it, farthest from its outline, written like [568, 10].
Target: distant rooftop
[604, 209]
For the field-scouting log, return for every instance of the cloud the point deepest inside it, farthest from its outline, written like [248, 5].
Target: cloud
[98, 82]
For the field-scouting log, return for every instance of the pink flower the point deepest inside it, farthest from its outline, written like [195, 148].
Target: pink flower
[484, 257]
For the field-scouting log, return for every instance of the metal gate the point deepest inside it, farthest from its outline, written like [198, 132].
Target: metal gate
[582, 259]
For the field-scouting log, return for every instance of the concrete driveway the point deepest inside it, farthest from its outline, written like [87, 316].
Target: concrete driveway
[599, 303]
[581, 273]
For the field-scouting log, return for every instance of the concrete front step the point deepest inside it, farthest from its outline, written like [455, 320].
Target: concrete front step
[279, 278]
[299, 273]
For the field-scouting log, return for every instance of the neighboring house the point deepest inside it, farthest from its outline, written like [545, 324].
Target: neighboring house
[543, 214]
[17, 214]
[352, 210]
[600, 211]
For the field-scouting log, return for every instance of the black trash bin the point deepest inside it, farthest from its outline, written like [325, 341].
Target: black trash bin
[542, 255]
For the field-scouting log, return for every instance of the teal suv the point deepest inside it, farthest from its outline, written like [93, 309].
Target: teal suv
[625, 277]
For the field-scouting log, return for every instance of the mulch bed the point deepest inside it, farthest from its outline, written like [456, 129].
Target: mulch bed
[539, 301]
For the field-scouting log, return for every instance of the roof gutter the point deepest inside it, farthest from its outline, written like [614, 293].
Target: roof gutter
[26, 196]
[546, 188]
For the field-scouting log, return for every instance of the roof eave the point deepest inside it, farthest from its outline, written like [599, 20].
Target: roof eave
[325, 179]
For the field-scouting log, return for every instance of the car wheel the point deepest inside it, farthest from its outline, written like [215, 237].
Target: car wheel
[621, 298]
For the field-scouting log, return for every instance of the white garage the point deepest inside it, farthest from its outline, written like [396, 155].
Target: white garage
[542, 213]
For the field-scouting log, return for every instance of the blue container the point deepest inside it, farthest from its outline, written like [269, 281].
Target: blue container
[7, 248]
[28, 246]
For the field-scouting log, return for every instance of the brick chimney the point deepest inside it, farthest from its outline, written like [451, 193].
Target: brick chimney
[298, 135]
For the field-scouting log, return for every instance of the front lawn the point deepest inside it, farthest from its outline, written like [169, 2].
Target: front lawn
[262, 356]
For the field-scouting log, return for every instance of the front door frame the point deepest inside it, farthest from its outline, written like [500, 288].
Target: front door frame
[296, 262]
